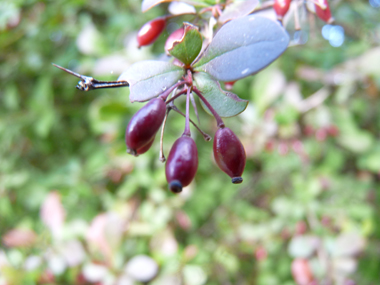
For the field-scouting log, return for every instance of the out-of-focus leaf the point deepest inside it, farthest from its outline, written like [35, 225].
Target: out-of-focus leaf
[264, 91]
[344, 265]
[178, 8]
[194, 275]
[243, 47]
[356, 141]
[187, 48]
[90, 41]
[238, 9]
[73, 252]
[95, 272]
[225, 103]
[348, 244]
[19, 238]
[303, 246]
[147, 4]
[53, 213]
[142, 268]
[370, 160]
[150, 78]
[42, 105]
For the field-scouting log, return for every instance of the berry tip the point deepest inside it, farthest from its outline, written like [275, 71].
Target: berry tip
[237, 180]
[175, 186]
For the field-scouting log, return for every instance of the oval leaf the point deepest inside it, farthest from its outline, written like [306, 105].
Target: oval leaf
[148, 79]
[226, 104]
[243, 47]
[238, 9]
[187, 48]
[147, 4]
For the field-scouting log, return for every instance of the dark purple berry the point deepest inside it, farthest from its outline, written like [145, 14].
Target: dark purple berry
[182, 164]
[146, 147]
[144, 125]
[229, 154]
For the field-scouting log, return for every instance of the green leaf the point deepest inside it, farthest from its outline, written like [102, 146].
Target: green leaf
[187, 48]
[148, 4]
[226, 104]
[243, 47]
[238, 9]
[148, 79]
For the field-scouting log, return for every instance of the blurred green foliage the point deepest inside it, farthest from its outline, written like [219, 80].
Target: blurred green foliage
[311, 133]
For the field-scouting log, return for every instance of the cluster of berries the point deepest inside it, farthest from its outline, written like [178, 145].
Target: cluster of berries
[182, 162]
[322, 9]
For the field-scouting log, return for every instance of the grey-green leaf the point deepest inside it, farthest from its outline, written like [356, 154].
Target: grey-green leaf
[148, 79]
[243, 47]
[226, 104]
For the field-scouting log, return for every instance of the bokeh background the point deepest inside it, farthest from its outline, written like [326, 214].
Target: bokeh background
[75, 208]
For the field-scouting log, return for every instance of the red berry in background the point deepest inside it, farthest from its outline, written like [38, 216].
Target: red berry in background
[301, 271]
[281, 7]
[321, 134]
[150, 31]
[229, 85]
[308, 130]
[144, 125]
[182, 164]
[332, 131]
[269, 145]
[323, 11]
[175, 36]
[283, 148]
[261, 253]
[229, 154]
[301, 228]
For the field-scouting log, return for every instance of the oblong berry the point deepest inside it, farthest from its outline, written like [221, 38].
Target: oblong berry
[146, 147]
[144, 125]
[323, 11]
[150, 31]
[281, 7]
[182, 163]
[229, 154]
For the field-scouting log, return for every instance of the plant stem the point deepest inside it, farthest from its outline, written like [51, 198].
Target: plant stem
[207, 137]
[162, 155]
[297, 25]
[187, 124]
[218, 119]
[176, 96]
[164, 95]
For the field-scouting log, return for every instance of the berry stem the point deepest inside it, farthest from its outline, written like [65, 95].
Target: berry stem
[162, 155]
[207, 137]
[297, 25]
[167, 92]
[218, 119]
[187, 124]
[195, 107]
[176, 96]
